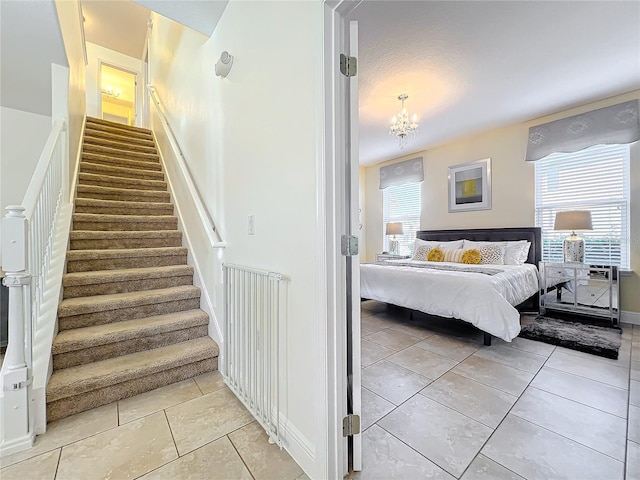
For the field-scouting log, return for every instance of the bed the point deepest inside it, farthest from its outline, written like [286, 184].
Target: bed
[487, 296]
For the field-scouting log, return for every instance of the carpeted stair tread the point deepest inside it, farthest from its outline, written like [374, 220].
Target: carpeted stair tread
[81, 338]
[121, 207]
[124, 239]
[122, 275]
[116, 152]
[118, 171]
[99, 132]
[121, 162]
[116, 125]
[92, 221]
[111, 193]
[122, 280]
[105, 254]
[101, 303]
[85, 378]
[121, 182]
[125, 144]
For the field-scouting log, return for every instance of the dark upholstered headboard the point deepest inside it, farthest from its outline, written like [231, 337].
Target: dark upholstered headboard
[531, 234]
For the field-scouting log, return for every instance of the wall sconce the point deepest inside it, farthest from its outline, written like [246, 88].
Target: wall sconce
[223, 65]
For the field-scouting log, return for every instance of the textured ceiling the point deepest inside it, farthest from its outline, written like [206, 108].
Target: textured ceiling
[119, 25]
[472, 66]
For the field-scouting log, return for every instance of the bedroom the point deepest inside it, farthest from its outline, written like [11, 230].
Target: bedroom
[415, 372]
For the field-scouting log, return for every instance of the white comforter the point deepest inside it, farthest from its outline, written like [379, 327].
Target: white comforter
[485, 301]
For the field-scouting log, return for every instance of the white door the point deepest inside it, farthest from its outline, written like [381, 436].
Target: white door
[352, 220]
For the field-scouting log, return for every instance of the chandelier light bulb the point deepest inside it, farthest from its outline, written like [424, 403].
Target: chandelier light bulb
[401, 127]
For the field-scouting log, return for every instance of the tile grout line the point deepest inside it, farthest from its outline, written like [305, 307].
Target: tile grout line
[173, 439]
[238, 452]
[506, 415]
[57, 463]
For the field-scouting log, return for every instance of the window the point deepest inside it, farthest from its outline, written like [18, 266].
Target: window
[401, 203]
[594, 179]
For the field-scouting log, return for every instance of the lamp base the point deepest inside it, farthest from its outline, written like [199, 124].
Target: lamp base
[393, 246]
[573, 248]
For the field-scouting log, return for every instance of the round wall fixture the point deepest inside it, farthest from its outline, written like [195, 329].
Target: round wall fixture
[223, 65]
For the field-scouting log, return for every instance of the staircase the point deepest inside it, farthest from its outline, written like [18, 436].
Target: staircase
[129, 320]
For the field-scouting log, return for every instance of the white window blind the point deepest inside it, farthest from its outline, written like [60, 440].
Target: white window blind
[594, 179]
[401, 203]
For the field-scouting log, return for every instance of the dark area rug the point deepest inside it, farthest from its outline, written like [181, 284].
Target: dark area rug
[602, 341]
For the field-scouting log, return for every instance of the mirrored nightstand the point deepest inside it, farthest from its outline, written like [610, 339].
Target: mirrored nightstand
[590, 290]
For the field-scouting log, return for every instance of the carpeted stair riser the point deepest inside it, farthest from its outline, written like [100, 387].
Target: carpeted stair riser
[89, 337]
[84, 378]
[125, 145]
[121, 194]
[89, 221]
[126, 347]
[100, 240]
[119, 182]
[123, 172]
[79, 403]
[93, 121]
[119, 136]
[110, 263]
[121, 162]
[118, 315]
[107, 282]
[107, 130]
[114, 207]
[114, 152]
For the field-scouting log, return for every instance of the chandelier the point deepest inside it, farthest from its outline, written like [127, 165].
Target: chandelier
[401, 127]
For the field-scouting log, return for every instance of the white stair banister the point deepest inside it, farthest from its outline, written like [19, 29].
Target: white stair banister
[15, 378]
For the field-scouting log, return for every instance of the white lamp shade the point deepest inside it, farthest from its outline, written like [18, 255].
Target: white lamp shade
[573, 220]
[394, 228]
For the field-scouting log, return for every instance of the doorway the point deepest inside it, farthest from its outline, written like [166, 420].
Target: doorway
[117, 94]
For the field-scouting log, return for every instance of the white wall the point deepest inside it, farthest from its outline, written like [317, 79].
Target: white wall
[22, 138]
[69, 20]
[251, 142]
[97, 54]
[513, 201]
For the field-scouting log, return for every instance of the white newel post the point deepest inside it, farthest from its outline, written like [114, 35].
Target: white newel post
[15, 378]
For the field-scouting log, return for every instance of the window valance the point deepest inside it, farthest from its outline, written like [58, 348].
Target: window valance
[401, 173]
[617, 124]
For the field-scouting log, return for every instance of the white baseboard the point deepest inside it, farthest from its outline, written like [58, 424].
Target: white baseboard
[630, 317]
[300, 448]
[17, 445]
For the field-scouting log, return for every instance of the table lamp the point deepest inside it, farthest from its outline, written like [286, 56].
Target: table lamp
[394, 229]
[573, 245]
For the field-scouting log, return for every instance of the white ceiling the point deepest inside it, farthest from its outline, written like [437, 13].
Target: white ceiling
[30, 41]
[118, 25]
[467, 66]
[476, 65]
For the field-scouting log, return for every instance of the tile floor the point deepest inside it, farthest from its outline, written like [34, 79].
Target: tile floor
[195, 429]
[436, 403]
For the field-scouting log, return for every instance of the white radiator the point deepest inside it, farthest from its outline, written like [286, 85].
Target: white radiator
[255, 306]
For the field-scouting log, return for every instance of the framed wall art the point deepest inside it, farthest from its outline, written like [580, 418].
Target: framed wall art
[470, 186]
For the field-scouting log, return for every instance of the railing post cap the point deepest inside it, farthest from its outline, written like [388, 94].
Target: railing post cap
[15, 211]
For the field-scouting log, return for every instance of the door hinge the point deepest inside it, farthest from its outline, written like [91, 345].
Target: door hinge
[349, 245]
[348, 65]
[350, 425]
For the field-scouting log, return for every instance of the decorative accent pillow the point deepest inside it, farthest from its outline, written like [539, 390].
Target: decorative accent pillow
[421, 252]
[471, 256]
[452, 254]
[435, 255]
[492, 254]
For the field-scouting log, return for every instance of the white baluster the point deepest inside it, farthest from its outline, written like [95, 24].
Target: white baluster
[15, 374]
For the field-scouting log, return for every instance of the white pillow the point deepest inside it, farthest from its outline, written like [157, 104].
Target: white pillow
[473, 244]
[436, 244]
[517, 252]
